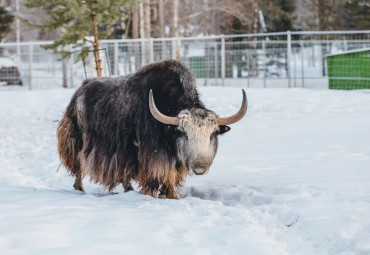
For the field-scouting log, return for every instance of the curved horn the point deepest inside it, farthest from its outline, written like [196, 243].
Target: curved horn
[238, 116]
[158, 115]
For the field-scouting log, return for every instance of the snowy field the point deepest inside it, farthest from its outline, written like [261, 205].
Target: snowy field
[293, 177]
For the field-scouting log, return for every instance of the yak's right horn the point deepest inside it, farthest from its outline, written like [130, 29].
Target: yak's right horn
[160, 116]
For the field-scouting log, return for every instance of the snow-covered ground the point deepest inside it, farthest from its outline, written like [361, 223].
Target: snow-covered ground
[293, 177]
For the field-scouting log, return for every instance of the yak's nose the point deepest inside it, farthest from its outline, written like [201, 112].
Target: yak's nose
[199, 171]
[200, 167]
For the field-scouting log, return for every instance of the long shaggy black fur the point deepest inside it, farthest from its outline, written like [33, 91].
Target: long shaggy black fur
[109, 133]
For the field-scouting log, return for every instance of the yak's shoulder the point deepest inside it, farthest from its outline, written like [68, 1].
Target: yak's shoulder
[106, 81]
[103, 85]
[168, 67]
[167, 75]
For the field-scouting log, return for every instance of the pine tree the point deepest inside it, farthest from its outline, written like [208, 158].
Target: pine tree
[278, 15]
[77, 22]
[6, 20]
[355, 15]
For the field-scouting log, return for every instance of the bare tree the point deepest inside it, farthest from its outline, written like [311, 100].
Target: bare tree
[160, 19]
[174, 26]
[254, 68]
[147, 20]
[141, 16]
[135, 21]
[325, 14]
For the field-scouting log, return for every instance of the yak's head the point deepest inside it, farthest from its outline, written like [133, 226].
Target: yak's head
[197, 143]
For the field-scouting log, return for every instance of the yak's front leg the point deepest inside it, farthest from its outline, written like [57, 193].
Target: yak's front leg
[127, 185]
[78, 183]
[167, 192]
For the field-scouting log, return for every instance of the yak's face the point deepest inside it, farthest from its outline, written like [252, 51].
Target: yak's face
[197, 142]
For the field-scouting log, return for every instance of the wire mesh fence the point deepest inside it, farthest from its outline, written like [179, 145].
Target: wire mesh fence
[337, 59]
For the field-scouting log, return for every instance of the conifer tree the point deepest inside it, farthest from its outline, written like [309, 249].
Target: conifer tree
[6, 20]
[77, 22]
[355, 15]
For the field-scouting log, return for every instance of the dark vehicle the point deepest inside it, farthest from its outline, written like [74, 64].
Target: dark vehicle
[9, 72]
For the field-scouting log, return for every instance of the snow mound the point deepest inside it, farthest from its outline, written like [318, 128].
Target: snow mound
[6, 62]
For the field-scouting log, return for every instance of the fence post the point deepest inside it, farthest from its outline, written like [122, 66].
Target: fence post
[163, 49]
[115, 68]
[223, 59]
[143, 52]
[151, 49]
[173, 48]
[264, 62]
[30, 52]
[216, 61]
[294, 73]
[289, 56]
[302, 62]
[249, 67]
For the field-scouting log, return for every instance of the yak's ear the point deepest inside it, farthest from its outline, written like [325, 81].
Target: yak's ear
[224, 129]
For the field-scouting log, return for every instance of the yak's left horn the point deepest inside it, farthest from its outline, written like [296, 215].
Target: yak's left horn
[158, 115]
[238, 116]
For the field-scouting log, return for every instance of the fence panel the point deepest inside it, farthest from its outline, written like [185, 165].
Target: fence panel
[339, 59]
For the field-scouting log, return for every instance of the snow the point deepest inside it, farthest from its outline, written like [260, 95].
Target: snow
[5, 62]
[291, 178]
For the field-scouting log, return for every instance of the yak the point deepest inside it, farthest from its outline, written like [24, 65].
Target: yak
[149, 127]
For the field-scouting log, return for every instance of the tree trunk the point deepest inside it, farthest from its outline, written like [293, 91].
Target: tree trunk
[175, 27]
[255, 30]
[142, 30]
[135, 35]
[142, 22]
[148, 30]
[98, 66]
[325, 14]
[161, 27]
[161, 19]
[126, 25]
[65, 72]
[147, 19]
[135, 22]
[171, 14]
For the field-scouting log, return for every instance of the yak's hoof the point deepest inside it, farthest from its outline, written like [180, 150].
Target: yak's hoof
[167, 196]
[162, 196]
[128, 188]
[78, 187]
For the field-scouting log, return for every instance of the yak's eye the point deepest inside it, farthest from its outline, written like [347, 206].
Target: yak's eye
[214, 134]
[181, 133]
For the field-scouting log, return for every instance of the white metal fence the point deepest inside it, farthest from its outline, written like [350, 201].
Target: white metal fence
[284, 59]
